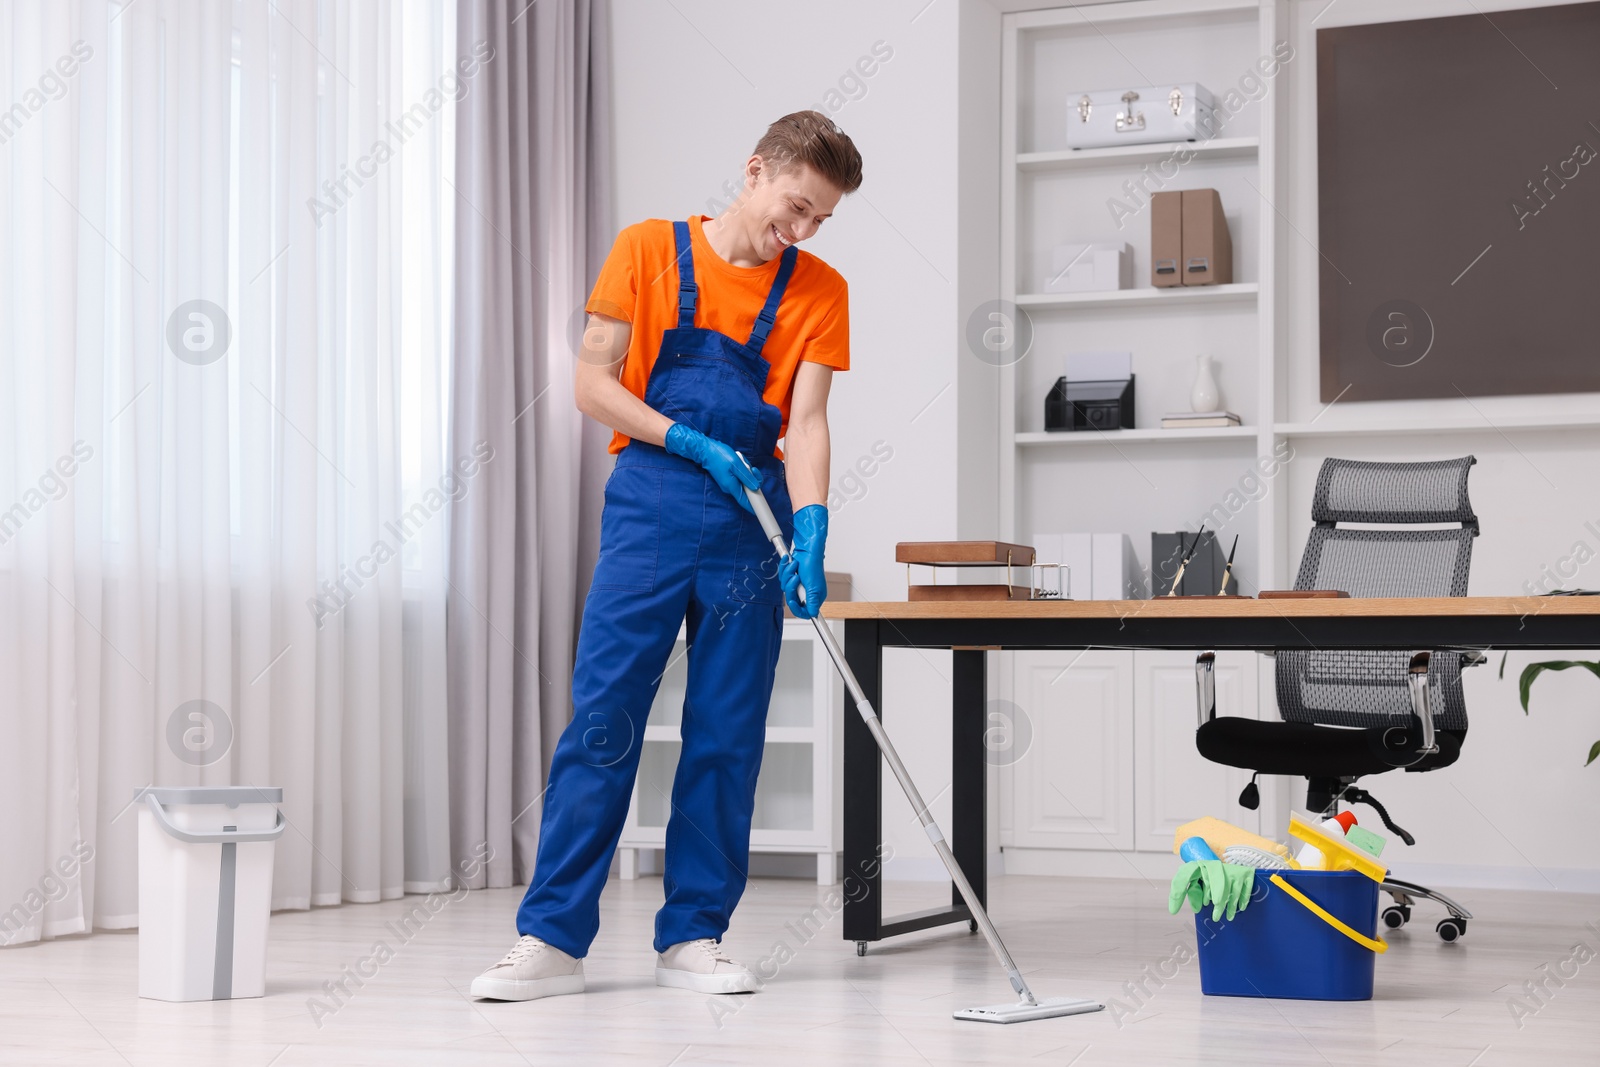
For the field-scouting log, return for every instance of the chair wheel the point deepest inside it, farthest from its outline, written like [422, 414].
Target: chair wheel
[1450, 929]
[1395, 916]
[861, 948]
[972, 926]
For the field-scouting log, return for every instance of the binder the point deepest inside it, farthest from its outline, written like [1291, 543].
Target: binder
[1207, 246]
[1166, 239]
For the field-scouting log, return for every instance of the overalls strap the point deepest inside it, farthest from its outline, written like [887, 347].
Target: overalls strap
[769, 313]
[686, 286]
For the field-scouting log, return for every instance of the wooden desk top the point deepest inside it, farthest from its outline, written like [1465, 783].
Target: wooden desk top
[1201, 608]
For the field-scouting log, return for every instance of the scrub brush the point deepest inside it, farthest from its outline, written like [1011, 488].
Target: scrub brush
[1250, 856]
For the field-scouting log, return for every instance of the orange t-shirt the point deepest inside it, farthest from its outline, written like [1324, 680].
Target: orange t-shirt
[639, 285]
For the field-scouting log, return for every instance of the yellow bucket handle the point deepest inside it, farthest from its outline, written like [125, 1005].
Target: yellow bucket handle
[1375, 944]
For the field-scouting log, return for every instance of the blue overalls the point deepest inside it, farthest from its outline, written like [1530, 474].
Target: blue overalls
[673, 547]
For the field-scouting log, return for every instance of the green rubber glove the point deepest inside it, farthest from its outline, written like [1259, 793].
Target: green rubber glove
[1229, 888]
[1225, 886]
[1214, 878]
[1244, 880]
[1184, 885]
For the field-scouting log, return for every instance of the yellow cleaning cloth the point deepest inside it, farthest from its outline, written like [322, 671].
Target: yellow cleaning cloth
[1219, 835]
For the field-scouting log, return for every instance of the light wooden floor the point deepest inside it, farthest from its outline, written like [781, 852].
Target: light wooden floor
[73, 1001]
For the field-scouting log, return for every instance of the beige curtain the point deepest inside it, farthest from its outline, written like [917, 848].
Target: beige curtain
[532, 163]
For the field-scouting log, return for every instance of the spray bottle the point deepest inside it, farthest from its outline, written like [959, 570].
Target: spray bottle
[1310, 857]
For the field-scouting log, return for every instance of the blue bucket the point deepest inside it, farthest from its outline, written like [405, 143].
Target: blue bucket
[1281, 947]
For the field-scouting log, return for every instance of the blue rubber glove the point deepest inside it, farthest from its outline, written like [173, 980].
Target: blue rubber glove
[803, 565]
[721, 462]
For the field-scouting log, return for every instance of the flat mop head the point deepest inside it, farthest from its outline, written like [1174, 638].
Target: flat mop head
[1022, 1011]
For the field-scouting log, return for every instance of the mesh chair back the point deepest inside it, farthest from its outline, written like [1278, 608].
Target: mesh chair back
[1368, 688]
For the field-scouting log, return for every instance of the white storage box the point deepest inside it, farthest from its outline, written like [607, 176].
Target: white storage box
[1149, 114]
[1087, 268]
[205, 890]
[1103, 566]
[1117, 575]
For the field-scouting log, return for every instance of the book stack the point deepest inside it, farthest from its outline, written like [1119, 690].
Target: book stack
[1198, 420]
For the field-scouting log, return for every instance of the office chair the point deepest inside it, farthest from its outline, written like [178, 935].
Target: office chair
[1352, 713]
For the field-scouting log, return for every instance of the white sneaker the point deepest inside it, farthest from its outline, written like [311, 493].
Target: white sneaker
[703, 967]
[532, 969]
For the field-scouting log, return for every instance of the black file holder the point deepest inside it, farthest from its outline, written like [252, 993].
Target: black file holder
[1090, 405]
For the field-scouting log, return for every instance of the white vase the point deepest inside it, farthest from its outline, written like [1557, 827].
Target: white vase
[1204, 396]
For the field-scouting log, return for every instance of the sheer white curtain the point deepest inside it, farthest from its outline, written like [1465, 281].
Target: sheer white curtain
[225, 305]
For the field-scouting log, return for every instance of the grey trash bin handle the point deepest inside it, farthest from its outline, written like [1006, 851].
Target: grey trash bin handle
[215, 837]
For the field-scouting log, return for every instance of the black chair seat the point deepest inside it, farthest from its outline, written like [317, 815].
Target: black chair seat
[1312, 751]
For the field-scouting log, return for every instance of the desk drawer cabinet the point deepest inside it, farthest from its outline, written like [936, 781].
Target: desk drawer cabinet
[1073, 786]
[1111, 765]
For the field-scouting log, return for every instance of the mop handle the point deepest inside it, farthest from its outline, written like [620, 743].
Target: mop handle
[769, 526]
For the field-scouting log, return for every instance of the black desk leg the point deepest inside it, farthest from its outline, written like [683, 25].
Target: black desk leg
[969, 802]
[863, 789]
[863, 794]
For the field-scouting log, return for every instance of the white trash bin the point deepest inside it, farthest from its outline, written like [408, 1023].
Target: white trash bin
[205, 890]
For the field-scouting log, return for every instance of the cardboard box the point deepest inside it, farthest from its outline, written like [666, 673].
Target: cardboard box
[1189, 239]
[1207, 245]
[1166, 239]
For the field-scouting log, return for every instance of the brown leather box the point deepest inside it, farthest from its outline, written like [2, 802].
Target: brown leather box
[962, 553]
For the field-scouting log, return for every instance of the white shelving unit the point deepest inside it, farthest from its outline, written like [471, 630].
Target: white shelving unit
[1125, 719]
[797, 794]
[1054, 195]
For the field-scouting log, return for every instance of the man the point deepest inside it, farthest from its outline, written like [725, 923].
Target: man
[708, 341]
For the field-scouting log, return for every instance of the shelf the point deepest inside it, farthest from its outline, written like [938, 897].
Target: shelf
[1073, 158]
[1146, 296]
[1117, 437]
[1456, 424]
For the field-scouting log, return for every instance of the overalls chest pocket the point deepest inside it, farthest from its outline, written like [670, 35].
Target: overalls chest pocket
[716, 396]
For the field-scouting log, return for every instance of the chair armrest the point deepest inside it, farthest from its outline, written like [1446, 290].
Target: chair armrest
[1421, 703]
[1475, 658]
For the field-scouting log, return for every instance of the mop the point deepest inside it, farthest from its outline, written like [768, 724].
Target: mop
[1029, 1006]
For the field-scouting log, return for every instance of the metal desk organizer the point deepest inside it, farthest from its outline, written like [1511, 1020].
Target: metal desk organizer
[937, 554]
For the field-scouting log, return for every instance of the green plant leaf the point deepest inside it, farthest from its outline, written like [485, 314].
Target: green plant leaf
[1503, 656]
[1594, 751]
[1533, 670]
